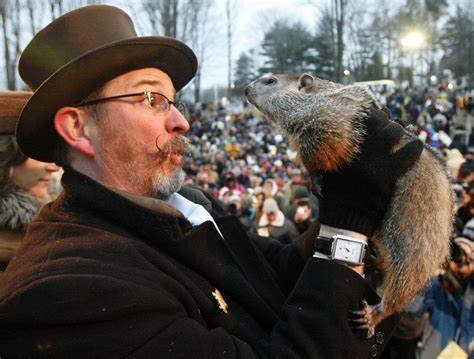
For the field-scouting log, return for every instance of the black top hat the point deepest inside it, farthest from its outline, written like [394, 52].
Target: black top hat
[79, 52]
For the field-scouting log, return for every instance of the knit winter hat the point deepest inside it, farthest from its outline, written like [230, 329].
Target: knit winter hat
[270, 205]
[466, 245]
[301, 192]
[468, 230]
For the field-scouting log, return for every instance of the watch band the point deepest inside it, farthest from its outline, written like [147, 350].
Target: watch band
[323, 245]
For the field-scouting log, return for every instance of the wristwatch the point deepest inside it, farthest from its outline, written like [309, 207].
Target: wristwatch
[348, 250]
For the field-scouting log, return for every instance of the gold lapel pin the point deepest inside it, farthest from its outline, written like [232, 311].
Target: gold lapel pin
[220, 300]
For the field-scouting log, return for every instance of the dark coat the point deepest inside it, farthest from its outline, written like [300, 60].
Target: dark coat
[99, 276]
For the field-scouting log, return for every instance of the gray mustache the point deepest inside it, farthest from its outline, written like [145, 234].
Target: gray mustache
[178, 144]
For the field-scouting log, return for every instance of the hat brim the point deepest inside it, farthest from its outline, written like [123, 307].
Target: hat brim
[74, 81]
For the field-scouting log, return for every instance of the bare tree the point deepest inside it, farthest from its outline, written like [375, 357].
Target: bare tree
[230, 9]
[339, 11]
[34, 9]
[59, 7]
[187, 21]
[369, 41]
[56, 8]
[170, 18]
[163, 16]
[10, 17]
[197, 16]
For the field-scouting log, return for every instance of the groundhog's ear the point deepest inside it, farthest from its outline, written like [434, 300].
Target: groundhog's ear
[305, 80]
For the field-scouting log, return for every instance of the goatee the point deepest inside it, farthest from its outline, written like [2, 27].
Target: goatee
[164, 185]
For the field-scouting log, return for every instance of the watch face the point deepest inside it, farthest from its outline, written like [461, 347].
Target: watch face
[348, 250]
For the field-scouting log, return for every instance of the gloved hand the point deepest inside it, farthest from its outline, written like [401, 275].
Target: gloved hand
[357, 196]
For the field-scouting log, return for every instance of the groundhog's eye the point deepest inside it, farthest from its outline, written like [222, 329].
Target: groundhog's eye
[271, 81]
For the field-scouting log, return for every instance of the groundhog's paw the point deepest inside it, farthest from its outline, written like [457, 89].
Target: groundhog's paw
[363, 319]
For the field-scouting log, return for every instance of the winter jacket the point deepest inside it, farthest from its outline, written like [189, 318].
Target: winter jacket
[281, 228]
[451, 318]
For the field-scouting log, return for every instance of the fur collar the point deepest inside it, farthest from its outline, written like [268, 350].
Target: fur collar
[17, 207]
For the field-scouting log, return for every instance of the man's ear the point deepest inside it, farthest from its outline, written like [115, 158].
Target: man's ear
[71, 124]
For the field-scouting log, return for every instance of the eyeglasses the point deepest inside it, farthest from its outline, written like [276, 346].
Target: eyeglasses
[157, 101]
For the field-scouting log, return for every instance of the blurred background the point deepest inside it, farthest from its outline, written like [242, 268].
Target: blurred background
[419, 43]
[415, 55]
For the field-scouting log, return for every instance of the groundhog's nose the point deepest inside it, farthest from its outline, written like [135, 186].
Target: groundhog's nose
[247, 90]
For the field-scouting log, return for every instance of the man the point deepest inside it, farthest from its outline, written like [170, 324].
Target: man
[449, 300]
[440, 321]
[273, 223]
[122, 265]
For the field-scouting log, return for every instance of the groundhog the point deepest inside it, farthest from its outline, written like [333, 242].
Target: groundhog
[325, 123]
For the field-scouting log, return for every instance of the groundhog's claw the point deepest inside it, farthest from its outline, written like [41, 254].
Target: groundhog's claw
[362, 319]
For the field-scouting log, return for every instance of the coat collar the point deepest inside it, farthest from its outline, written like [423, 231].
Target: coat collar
[82, 191]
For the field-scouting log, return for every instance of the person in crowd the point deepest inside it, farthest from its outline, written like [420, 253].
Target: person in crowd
[273, 223]
[244, 177]
[449, 301]
[281, 196]
[23, 181]
[258, 203]
[454, 161]
[466, 171]
[230, 187]
[127, 261]
[241, 207]
[208, 179]
[468, 230]
[469, 104]
[465, 197]
[303, 209]
[270, 188]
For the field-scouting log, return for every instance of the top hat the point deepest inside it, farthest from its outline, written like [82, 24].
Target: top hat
[79, 52]
[11, 103]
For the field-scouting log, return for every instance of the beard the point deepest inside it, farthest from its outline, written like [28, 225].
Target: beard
[157, 176]
[164, 184]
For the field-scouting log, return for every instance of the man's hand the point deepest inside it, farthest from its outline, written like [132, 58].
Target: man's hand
[357, 196]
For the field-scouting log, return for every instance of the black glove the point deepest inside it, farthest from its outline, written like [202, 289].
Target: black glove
[357, 196]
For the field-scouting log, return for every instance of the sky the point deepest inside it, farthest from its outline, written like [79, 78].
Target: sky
[251, 19]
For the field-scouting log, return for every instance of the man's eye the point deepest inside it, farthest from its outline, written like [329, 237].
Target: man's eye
[159, 102]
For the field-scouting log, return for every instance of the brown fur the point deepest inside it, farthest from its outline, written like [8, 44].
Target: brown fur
[324, 121]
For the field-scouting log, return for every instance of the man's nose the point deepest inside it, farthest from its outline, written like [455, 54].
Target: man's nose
[176, 122]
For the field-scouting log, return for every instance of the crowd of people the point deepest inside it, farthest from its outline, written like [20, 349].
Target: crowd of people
[97, 242]
[242, 159]
[252, 170]
[244, 163]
